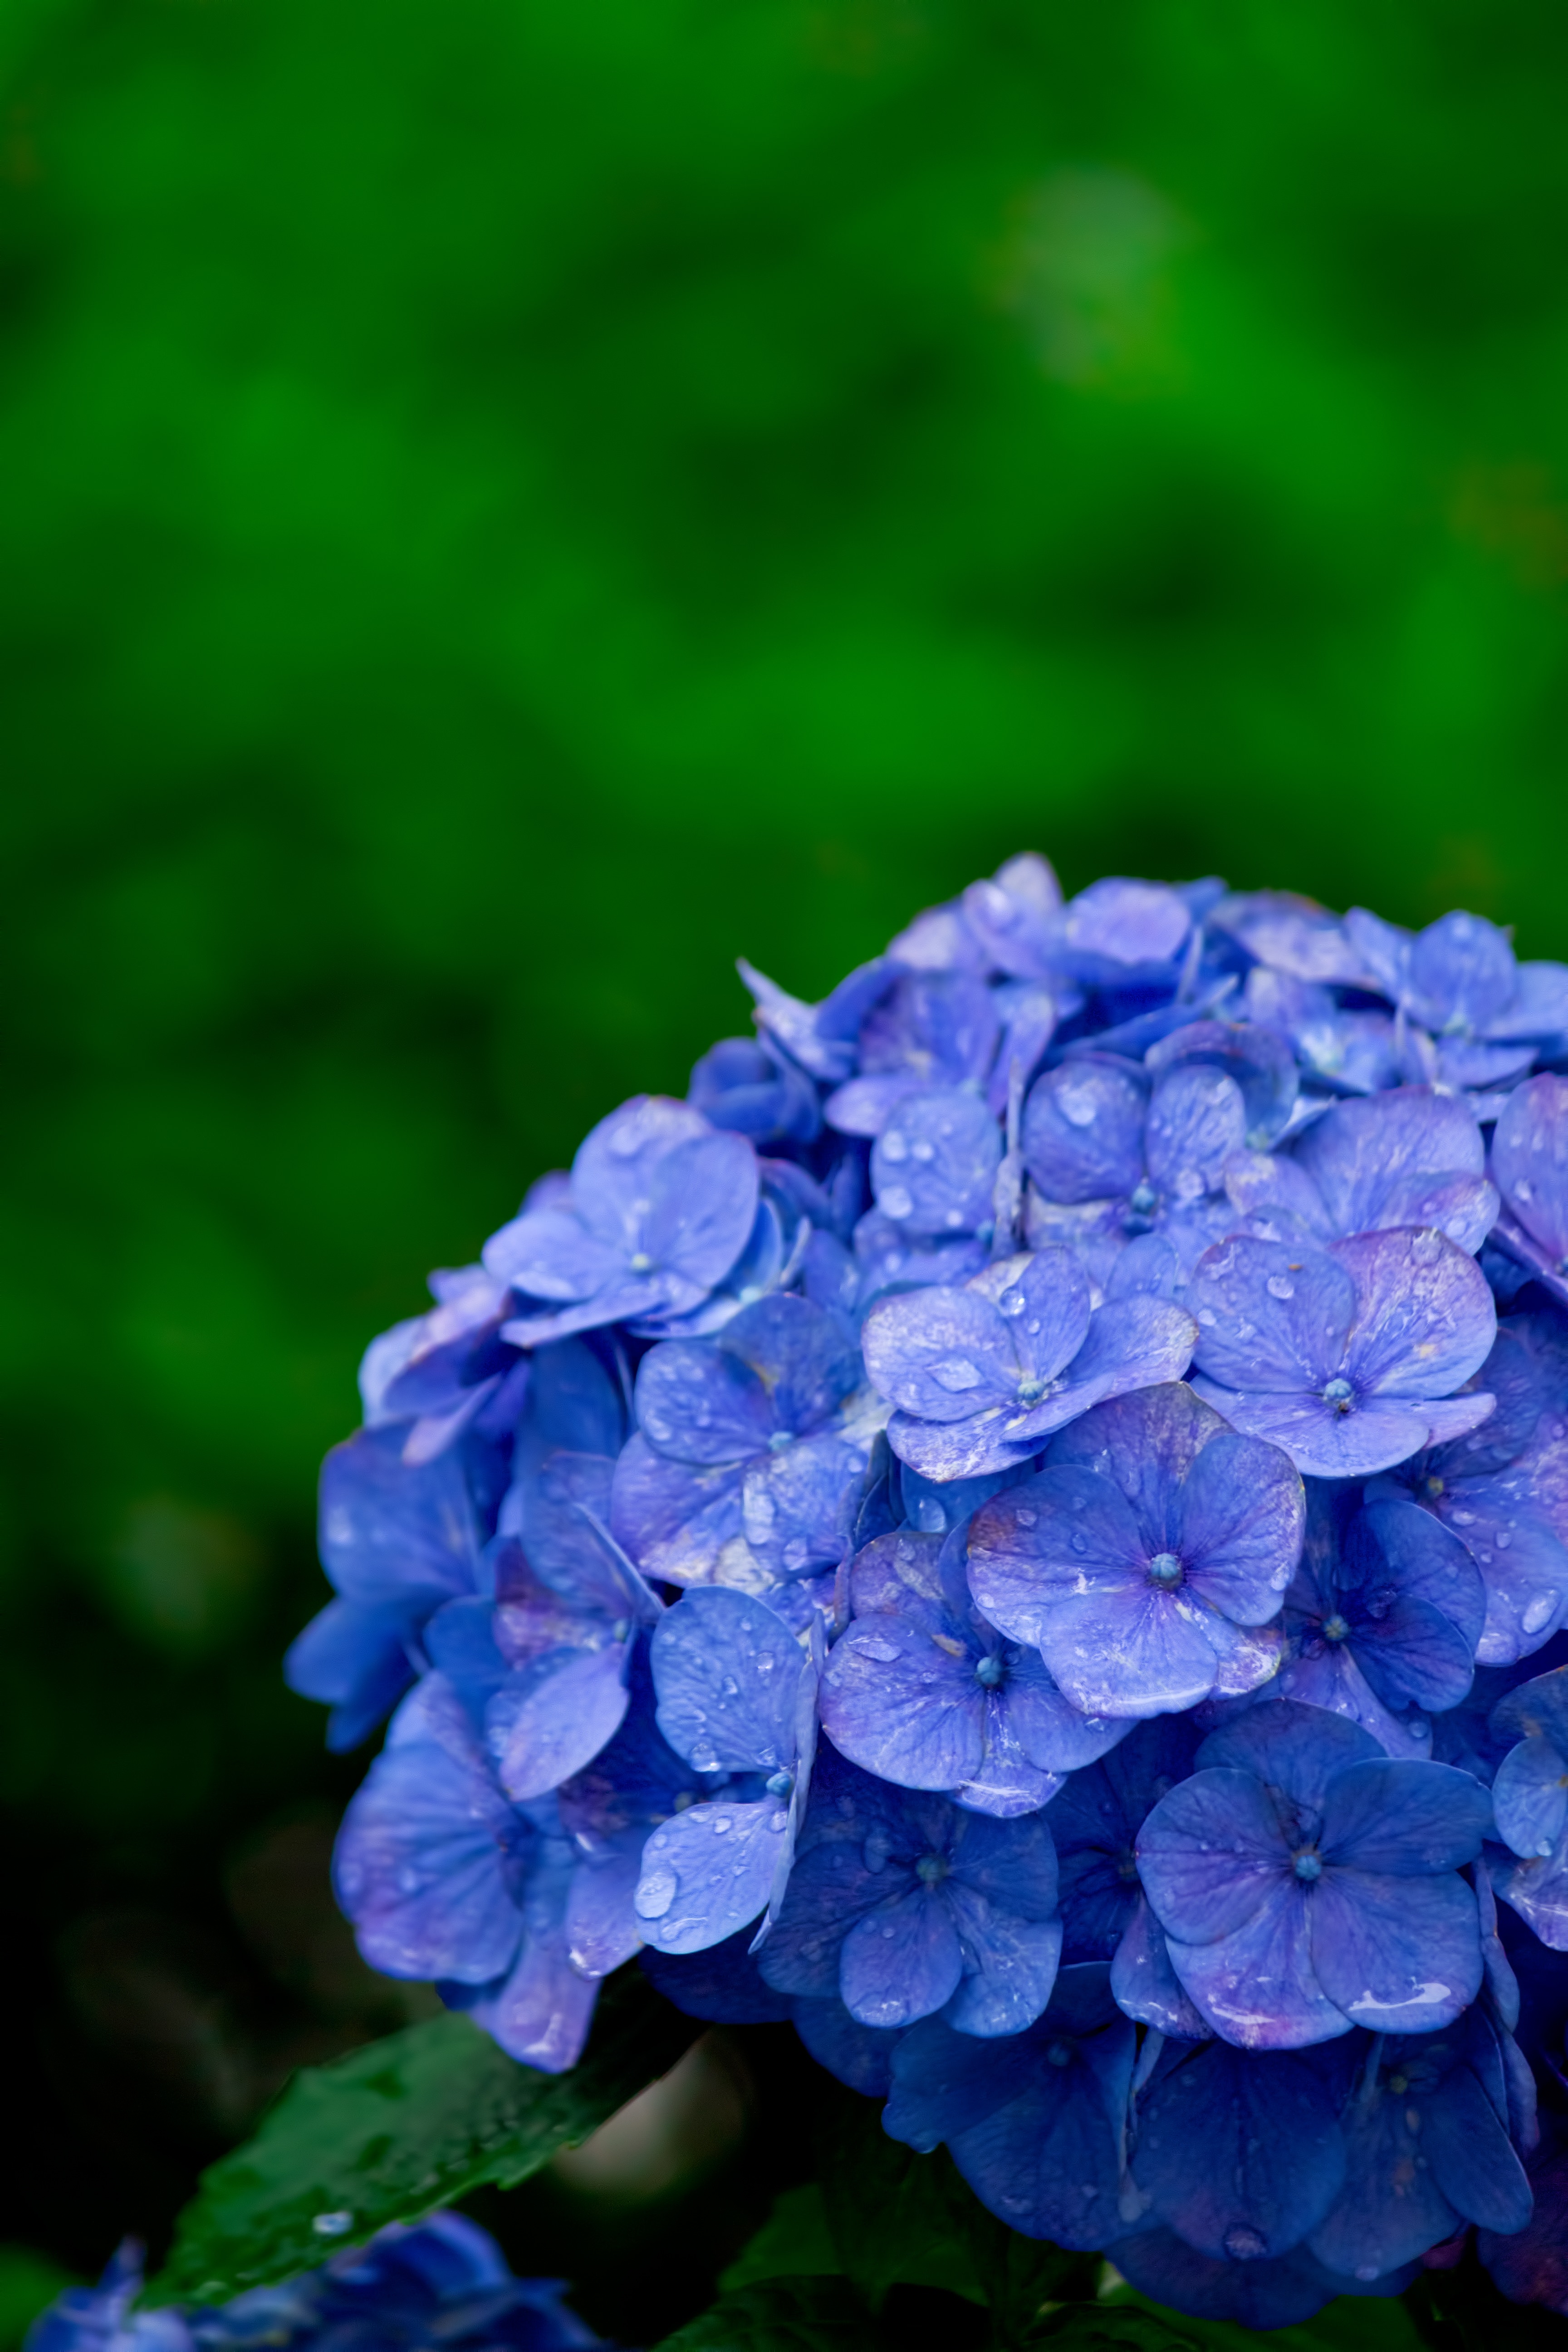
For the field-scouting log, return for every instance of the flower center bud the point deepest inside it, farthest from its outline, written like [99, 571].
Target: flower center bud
[1434, 1486]
[780, 1784]
[1143, 1197]
[1399, 2084]
[990, 1670]
[640, 1262]
[1060, 2052]
[1031, 1390]
[1165, 1570]
[1340, 1394]
[1309, 1865]
[930, 1869]
[1126, 1869]
[780, 1439]
[1335, 1628]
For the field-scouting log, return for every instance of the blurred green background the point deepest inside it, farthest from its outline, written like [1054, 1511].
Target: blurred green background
[508, 503]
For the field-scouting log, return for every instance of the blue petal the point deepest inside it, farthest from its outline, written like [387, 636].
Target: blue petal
[1047, 2162]
[709, 1872]
[1404, 1819]
[355, 1658]
[541, 2013]
[1264, 2295]
[900, 1961]
[1537, 1710]
[1462, 972]
[860, 2056]
[1323, 1440]
[1010, 1966]
[1374, 1164]
[1532, 2266]
[1241, 2152]
[1295, 1748]
[1531, 1796]
[551, 1254]
[1425, 1317]
[800, 1354]
[389, 1530]
[940, 1027]
[1471, 2156]
[420, 1868]
[1052, 1734]
[896, 1701]
[1083, 1131]
[1401, 1955]
[1034, 1546]
[1135, 1652]
[727, 1672]
[698, 1402]
[676, 1520]
[1271, 1319]
[1427, 1559]
[944, 2083]
[1258, 1987]
[1392, 2207]
[1043, 1298]
[1146, 1985]
[1239, 1526]
[721, 1984]
[1012, 1863]
[1211, 1854]
[830, 1888]
[934, 1163]
[551, 1719]
[942, 1355]
[1196, 1119]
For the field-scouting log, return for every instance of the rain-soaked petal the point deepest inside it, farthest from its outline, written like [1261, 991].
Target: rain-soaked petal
[1241, 2151]
[1211, 1854]
[1529, 1158]
[1404, 1819]
[1402, 1955]
[1425, 1319]
[897, 1700]
[1373, 1161]
[943, 1354]
[1057, 1535]
[1529, 1797]
[1044, 1300]
[727, 1672]
[700, 1403]
[708, 1871]
[1083, 1131]
[1145, 1984]
[420, 1868]
[1239, 1525]
[900, 1963]
[1010, 1966]
[1138, 1651]
[1257, 1986]
[551, 1717]
[1390, 2209]
[1271, 1319]
[1196, 1119]
[934, 1165]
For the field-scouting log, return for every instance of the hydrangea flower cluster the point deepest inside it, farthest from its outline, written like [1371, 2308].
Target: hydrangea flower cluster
[1024, 1527]
[441, 2283]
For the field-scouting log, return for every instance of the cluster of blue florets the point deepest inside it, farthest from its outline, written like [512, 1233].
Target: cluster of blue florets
[442, 2285]
[1022, 1526]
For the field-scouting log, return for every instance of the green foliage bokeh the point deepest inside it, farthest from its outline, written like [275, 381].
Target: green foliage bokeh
[509, 503]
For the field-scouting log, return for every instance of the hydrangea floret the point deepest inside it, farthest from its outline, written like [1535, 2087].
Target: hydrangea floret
[1024, 1529]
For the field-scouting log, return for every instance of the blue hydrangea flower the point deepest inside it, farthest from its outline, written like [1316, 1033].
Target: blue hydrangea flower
[443, 1877]
[659, 1206]
[980, 1376]
[933, 1166]
[1347, 1357]
[932, 1029]
[443, 1369]
[1503, 1488]
[1278, 2292]
[1425, 2128]
[753, 1452]
[1239, 2151]
[737, 1695]
[1411, 1156]
[1307, 1882]
[751, 1090]
[1474, 1015]
[398, 1539]
[1147, 1559]
[1113, 1150]
[1382, 1617]
[903, 1905]
[1529, 1160]
[1530, 1795]
[919, 1690]
[1340, 1050]
[1035, 2124]
[1105, 1913]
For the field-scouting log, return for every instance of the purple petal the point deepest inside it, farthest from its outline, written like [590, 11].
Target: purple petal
[602, 1927]
[708, 1871]
[864, 1105]
[1136, 1652]
[1333, 1680]
[1031, 1025]
[941, 1025]
[1013, 1865]
[702, 1204]
[1292, 1749]
[727, 1672]
[1145, 1984]
[1239, 1526]
[1448, 1418]
[622, 1301]
[1532, 2266]
[1043, 1301]
[1083, 1131]
[1129, 923]
[1391, 2208]
[1523, 1566]
[1272, 2155]
[934, 1163]
[551, 1254]
[1323, 1440]
[900, 1963]
[896, 1701]
[1013, 1967]
[419, 1871]
[1412, 1655]
[801, 1355]
[830, 1887]
[1144, 1446]
[1134, 1342]
[615, 1162]
[1244, 1656]
[1257, 1986]
[800, 1506]
[1403, 1819]
[1461, 971]
[899, 1575]
[1011, 923]
[1007, 1782]
[1211, 1855]
[1290, 934]
[1425, 1315]
[1429, 1561]
[1398, 1955]
[1538, 1890]
[700, 1403]
[1384, 950]
[942, 1354]
[722, 1984]
[552, 1718]
[1037, 1545]
[541, 2015]
[1530, 1159]
[1530, 1795]
[1537, 1710]
[1371, 1161]
[1258, 2295]
[1277, 1196]
[1468, 2149]
[389, 1530]
[1196, 1119]
[1271, 1318]
[1052, 1733]
[674, 1519]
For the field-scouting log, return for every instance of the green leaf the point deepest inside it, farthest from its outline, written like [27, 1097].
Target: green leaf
[1123, 2327]
[788, 2314]
[400, 2127]
[795, 2241]
[896, 2219]
[1350, 2323]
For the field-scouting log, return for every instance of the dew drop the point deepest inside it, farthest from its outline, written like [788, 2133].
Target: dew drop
[1279, 1286]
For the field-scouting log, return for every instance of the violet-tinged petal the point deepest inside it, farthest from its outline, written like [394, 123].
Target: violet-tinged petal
[1402, 1819]
[708, 1871]
[1291, 934]
[1258, 1063]
[1116, 922]
[551, 1719]
[1044, 1301]
[420, 1867]
[1367, 1159]
[1383, 950]
[1059, 1534]
[896, 1701]
[830, 1888]
[1470, 2155]
[727, 1672]
[860, 2056]
[1007, 1782]
[542, 2014]
[1012, 1863]
[1425, 1318]
[1391, 2208]
[864, 1105]
[1530, 1796]
[1031, 1023]
[1211, 1855]
[621, 1301]
[1196, 1119]
[1145, 1984]
[1529, 1160]
[1011, 1966]
[1428, 1561]
[1448, 1418]
[1244, 1656]
[1012, 926]
[902, 1962]
[551, 1254]
[1402, 1955]
[1137, 1651]
[1138, 1341]
[1083, 1131]
[944, 2083]
[354, 1658]
[1047, 2163]
[1461, 973]
[601, 1923]
[1055, 1736]
[1293, 1750]
[802, 1355]
[678, 1521]
[1539, 1006]
[942, 1354]
[1532, 2265]
[387, 1529]
[1277, 1196]
[700, 1404]
[1411, 1653]
[1258, 2295]
[1241, 2151]
[1537, 1888]
[1258, 1987]
[721, 1984]
[934, 1164]
[701, 1203]
[1323, 1440]
[1271, 1319]
[1239, 1526]
[939, 1025]
[1325, 1674]
[1537, 1710]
